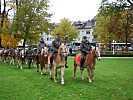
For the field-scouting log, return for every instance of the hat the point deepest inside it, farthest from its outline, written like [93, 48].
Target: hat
[84, 37]
[58, 34]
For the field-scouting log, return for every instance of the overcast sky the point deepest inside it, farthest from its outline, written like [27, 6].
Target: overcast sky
[75, 10]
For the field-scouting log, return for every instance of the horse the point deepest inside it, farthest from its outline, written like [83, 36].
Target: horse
[5, 55]
[20, 56]
[1, 51]
[43, 60]
[59, 62]
[12, 57]
[90, 61]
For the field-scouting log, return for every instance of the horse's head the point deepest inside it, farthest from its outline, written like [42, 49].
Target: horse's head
[22, 52]
[45, 51]
[63, 50]
[96, 52]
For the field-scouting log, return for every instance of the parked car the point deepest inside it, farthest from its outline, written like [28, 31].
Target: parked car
[130, 49]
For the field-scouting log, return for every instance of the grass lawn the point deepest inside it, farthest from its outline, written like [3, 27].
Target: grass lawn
[113, 81]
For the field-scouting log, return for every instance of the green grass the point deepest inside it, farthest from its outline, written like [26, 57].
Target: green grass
[113, 81]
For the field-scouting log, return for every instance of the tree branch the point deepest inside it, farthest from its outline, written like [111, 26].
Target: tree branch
[130, 2]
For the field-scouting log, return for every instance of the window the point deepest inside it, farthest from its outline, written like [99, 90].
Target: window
[88, 38]
[95, 36]
[47, 39]
[87, 32]
[78, 39]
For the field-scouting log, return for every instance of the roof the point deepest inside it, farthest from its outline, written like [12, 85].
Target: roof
[84, 24]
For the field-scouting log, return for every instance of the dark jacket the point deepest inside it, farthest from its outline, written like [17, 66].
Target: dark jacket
[55, 45]
[84, 47]
[29, 53]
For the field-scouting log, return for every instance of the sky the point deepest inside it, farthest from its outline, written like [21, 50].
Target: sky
[74, 10]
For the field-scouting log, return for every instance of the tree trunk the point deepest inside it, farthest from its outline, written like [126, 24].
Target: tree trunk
[24, 43]
[0, 7]
[3, 13]
[2, 19]
[17, 4]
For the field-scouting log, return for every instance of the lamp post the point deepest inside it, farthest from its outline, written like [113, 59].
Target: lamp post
[113, 47]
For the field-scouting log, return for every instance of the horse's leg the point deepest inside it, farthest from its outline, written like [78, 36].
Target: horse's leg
[75, 68]
[51, 73]
[92, 73]
[55, 73]
[82, 74]
[10, 61]
[62, 75]
[88, 69]
[37, 67]
[42, 69]
[21, 64]
[13, 60]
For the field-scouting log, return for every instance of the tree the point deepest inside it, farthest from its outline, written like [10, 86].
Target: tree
[31, 19]
[105, 36]
[119, 24]
[67, 31]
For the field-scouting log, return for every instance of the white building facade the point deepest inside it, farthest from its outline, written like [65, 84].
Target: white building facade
[86, 28]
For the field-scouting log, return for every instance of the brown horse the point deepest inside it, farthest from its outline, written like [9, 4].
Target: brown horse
[90, 61]
[43, 60]
[12, 57]
[59, 62]
[5, 55]
[20, 58]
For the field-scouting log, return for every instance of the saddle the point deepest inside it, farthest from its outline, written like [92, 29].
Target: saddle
[78, 57]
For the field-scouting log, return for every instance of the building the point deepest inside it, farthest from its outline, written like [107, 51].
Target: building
[86, 28]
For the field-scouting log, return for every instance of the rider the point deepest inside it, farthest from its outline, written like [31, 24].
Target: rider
[11, 50]
[85, 48]
[41, 45]
[29, 54]
[55, 45]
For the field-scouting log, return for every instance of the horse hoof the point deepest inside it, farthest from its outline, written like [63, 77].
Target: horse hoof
[37, 71]
[90, 81]
[51, 78]
[55, 81]
[82, 78]
[74, 77]
[41, 73]
[62, 83]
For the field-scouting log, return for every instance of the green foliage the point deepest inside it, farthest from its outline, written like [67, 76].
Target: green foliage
[31, 19]
[114, 21]
[67, 31]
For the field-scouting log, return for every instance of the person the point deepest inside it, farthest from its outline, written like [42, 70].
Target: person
[55, 45]
[29, 54]
[41, 45]
[85, 48]
[11, 51]
[70, 51]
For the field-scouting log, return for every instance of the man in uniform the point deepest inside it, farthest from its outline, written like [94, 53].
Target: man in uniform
[11, 51]
[85, 48]
[29, 54]
[41, 45]
[55, 45]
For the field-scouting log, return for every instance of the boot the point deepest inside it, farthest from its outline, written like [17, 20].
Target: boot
[66, 65]
[82, 65]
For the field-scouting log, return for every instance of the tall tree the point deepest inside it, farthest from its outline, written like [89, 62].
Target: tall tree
[67, 31]
[119, 23]
[31, 19]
